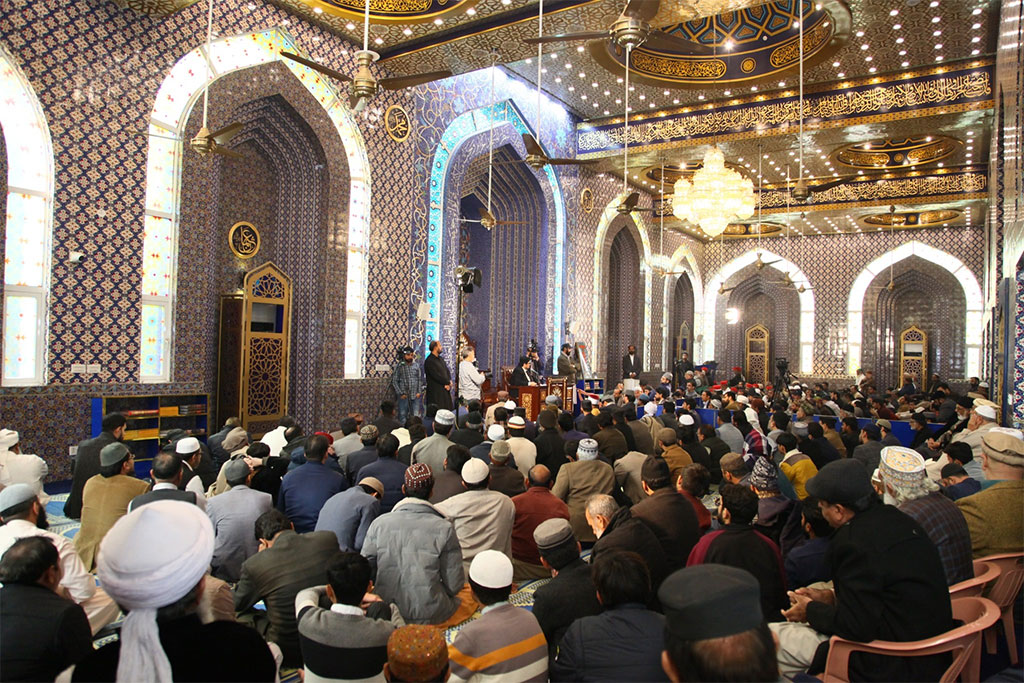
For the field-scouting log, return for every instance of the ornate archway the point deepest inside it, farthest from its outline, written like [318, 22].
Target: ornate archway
[973, 324]
[784, 266]
[174, 101]
[507, 123]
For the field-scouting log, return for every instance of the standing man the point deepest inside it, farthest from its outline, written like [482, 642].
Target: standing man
[439, 380]
[631, 364]
[86, 463]
[406, 383]
[470, 378]
[569, 368]
[536, 369]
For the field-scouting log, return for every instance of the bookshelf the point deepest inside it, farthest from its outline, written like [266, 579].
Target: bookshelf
[150, 418]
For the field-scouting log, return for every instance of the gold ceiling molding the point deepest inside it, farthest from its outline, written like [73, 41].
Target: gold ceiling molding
[156, 8]
[391, 11]
[869, 191]
[937, 94]
[895, 153]
[912, 219]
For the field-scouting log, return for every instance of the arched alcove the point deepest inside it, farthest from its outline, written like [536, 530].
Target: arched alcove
[760, 300]
[681, 303]
[624, 293]
[507, 311]
[925, 295]
[291, 182]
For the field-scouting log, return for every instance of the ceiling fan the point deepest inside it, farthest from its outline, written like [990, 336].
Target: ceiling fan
[216, 142]
[629, 205]
[364, 84]
[760, 263]
[632, 29]
[487, 219]
[537, 159]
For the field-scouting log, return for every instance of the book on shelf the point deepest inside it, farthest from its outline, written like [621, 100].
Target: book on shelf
[141, 413]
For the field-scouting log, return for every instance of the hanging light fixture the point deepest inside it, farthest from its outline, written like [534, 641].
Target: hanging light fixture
[717, 196]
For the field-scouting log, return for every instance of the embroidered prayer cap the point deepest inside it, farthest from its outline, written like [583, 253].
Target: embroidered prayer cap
[368, 433]
[444, 417]
[500, 450]
[901, 466]
[418, 478]
[516, 422]
[587, 449]
[417, 653]
[764, 477]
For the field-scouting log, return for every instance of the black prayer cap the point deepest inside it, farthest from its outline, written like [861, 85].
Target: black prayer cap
[710, 601]
[841, 481]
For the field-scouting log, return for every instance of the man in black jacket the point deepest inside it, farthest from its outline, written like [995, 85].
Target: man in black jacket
[570, 594]
[86, 462]
[439, 379]
[631, 364]
[669, 515]
[889, 585]
[625, 641]
[41, 633]
[617, 529]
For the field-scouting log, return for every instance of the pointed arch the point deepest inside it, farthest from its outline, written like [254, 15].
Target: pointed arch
[684, 259]
[972, 294]
[28, 228]
[174, 101]
[464, 127]
[601, 287]
[784, 266]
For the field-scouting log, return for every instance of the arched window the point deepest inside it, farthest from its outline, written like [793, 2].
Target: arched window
[29, 221]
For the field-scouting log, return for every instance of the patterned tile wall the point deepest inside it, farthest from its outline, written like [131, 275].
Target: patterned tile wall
[759, 301]
[832, 262]
[96, 70]
[914, 301]
[1018, 352]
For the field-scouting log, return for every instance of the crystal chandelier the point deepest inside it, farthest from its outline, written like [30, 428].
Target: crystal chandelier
[717, 195]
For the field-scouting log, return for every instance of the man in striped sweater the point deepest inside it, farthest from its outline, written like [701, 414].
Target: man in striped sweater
[506, 642]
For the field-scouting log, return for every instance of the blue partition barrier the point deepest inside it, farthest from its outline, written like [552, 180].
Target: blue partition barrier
[900, 428]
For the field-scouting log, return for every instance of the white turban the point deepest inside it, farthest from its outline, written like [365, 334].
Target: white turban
[8, 438]
[650, 409]
[152, 557]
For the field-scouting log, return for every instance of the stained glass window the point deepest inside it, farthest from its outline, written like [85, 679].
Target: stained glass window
[27, 225]
[155, 340]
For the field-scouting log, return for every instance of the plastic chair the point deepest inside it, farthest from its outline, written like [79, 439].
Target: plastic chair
[976, 613]
[984, 574]
[1004, 592]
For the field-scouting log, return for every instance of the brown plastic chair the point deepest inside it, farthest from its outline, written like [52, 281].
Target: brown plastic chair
[1004, 592]
[984, 574]
[976, 613]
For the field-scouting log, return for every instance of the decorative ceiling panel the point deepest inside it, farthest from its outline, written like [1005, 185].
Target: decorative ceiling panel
[156, 8]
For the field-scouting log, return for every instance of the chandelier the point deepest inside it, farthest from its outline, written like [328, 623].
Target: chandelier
[716, 197]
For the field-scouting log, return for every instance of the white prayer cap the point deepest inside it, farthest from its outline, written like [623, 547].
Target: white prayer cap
[686, 420]
[495, 432]
[587, 450]
[983, 385]
[650, 409]
[14, 495]
[510, 405]
[475, 471]
[517, 422]
[187, 446]
[491, 569]
[743, 399]
[150, 558]
[8, 437]
[444, 417]
[987, 412]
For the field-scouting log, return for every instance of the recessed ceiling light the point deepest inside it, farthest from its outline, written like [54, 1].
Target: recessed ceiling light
[937, 33]
[938, 46]
[975, 39]
[407, 31]
[350, 26]
[977, 11]
[471, 11]
[893, 13]
[438, 21]
[897, 27]
[975, 52]
[936, 20]
[318, 10]
[868, 58]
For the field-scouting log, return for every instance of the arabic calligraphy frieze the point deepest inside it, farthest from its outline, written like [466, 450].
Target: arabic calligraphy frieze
[933, 91]
[886, 189]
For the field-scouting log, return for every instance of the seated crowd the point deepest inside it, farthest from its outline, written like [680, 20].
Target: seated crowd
[668, 548]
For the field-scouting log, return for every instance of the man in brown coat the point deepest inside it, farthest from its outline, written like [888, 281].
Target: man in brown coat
[993, 514]
[672, 452]
[611, 444]
[578, 481]
[669, 515]
[105, 499]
